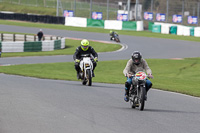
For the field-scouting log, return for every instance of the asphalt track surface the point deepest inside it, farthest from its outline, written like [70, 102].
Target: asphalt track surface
[31, 105]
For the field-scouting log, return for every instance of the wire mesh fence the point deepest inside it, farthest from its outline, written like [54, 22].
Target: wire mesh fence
[109, 8]
[171, 7]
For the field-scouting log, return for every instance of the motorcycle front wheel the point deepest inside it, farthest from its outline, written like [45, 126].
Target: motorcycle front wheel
[89, 77]
[141, 101]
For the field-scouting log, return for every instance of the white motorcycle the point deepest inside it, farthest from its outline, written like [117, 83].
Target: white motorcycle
[86, 66]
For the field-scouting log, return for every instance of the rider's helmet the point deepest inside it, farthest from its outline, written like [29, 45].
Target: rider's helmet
[84, 44]
[111, 31]
[136, 57]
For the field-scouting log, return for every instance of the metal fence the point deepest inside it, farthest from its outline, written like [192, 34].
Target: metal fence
[19, 37]
[171, 7]
[110, 8]
[81, 9]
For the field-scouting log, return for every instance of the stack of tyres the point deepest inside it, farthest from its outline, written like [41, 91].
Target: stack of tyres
[32, 46]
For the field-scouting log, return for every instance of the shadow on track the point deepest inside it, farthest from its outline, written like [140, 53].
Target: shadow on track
[170, 111]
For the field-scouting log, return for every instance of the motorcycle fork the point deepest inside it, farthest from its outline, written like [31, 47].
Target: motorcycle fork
[139, 89]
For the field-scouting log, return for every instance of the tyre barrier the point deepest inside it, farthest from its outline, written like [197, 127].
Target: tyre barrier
[36, 46]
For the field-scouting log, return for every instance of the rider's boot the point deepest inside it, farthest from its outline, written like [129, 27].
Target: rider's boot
[126, 97]
[93, 73]
[127, 87]
[78, 75]
[148, 88]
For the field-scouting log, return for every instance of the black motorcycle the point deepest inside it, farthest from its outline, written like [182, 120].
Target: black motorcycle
[137, 93]
[116, 37]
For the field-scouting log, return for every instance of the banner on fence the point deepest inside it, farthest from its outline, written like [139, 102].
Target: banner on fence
[97, 15]
[177, 18]
[148, 16]
[68, 13]
[122, 17]
[160, 17]
[192, 20]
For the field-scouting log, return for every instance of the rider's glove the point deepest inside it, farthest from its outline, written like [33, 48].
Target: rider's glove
[96, 59]
[128, 75]
[150, 76]
[77, 60]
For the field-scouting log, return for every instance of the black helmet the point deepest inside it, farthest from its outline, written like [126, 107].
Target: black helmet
[136, 57]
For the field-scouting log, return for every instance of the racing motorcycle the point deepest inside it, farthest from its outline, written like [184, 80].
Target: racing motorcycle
[86, 66]
[137, 93]
[116, 37]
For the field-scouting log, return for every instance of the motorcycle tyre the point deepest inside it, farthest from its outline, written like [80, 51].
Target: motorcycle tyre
[116, 39]
[88, 77]
[84, 82]
[132, 104]
[142, 98]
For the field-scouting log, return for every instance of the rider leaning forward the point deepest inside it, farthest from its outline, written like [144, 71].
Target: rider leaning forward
[112, 34]
[82, 50]
[136, 63]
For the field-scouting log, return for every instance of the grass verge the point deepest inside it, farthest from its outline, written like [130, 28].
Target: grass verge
[71, 46]
[172, 75]
[101, 30]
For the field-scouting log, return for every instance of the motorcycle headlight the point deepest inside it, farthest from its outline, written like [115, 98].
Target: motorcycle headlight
[87, 65]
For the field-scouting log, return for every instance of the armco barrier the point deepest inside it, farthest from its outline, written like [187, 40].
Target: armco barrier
[128, 25]
[197, 31]
[156, 28]
[32, 18]
[113, 24]
[140, 26]
[107, 24]
[192, 31]
[173, 30]
[180, 30]
[150, 26]
[95, 23]
[165, 29]
[76, 21]
[186, 31]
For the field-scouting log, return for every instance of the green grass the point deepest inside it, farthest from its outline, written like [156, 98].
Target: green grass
[101, 30]
[172, 75]
[4, 6]
[71, 46]
[38, 7]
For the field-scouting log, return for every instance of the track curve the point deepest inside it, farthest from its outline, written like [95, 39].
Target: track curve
[48, 106]
[149, 47]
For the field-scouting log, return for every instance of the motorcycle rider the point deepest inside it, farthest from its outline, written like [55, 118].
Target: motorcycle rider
[136, 63]
[81, 50]
[112, 34]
